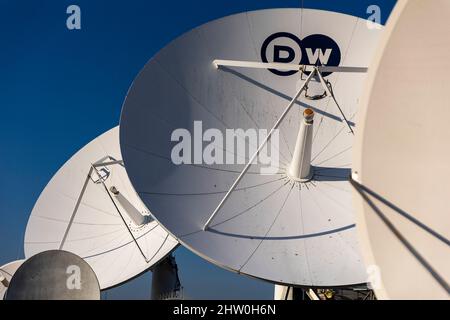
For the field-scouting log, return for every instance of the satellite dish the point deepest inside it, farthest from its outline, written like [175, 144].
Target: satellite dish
[54, 275]
[90, 208]
[6, 273]
[286, 222]
[401, 158]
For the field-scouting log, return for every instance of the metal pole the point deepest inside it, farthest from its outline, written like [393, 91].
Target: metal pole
[77, 205]
[330, 93]
[284, 66]
[244, 171]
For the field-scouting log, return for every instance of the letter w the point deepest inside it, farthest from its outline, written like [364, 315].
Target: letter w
[318, 54]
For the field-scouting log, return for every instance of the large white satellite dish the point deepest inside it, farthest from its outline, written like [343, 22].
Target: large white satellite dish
[90, 208]
[402, 156]
[6, 273]
[295, 224]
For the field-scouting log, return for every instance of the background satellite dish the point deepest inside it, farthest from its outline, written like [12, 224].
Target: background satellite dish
[402, 156]
[6, 273]
[90, 208]
[269, 227]
[54, 275]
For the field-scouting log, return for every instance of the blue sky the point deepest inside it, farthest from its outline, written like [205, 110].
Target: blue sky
[59, 89]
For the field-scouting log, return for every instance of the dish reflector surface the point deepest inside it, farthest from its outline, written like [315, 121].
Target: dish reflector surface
[97, 233]
[7, 271]
[269, 227]
[402, 154]
[54, 275]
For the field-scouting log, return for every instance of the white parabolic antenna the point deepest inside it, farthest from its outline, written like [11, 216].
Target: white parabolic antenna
[6, 273]
[402, 156]
[294, 224]
[91, 209]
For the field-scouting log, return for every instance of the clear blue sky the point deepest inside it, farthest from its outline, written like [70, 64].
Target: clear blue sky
[59, 89]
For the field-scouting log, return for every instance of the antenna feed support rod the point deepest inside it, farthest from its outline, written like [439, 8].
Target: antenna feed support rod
[261, 146]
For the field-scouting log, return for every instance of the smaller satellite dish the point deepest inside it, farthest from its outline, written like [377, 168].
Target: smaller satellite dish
[54, 275]
[401, 159]
[6, 273]
[91, 209]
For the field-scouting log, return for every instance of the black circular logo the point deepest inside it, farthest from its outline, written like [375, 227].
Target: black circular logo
[315, 50]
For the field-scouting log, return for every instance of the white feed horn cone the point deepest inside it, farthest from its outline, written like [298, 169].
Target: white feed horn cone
[300, 167]
[134, 214]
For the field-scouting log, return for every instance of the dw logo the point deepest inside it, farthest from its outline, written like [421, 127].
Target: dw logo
[285, 47]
